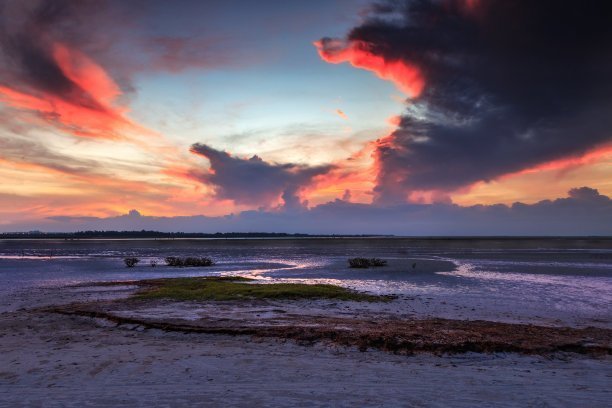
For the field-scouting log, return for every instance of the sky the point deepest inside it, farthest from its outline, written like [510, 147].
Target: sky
[410, 117]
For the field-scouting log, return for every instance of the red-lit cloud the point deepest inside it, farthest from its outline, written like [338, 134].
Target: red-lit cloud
[394, 120]
[406, 77]
[569, 162]
[86, 107]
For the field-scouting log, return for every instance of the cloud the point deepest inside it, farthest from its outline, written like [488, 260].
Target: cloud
[405, 76]
[47, 75]
[584, 212]
[58, 183]
[72, 62]
[254, 181]
[341, 113]
[494, 99]
[25, 152]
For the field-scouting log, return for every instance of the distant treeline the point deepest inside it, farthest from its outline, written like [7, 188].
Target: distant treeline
[161, 235]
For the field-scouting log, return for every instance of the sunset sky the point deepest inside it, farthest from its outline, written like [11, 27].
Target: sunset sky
[187, 108]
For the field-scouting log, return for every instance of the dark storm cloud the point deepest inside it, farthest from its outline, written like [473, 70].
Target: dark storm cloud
[254, 181]
[583, 212]
[509, 85]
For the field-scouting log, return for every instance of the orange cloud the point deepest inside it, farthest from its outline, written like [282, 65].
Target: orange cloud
[406, 77]
[89, 109]
[394, 120]
[58, 191]
[568, 162]
[543, 181]
[357, 175]
[340, 113]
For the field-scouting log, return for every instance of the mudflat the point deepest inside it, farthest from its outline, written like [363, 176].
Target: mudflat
[112, 349]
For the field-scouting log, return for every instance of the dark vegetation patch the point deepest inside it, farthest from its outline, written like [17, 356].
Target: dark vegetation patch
[189, 261]
[131, 262]
[366, 262]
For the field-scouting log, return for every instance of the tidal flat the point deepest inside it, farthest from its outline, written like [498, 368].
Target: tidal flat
[78, 328]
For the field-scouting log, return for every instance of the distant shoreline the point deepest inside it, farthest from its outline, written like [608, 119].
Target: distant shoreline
[152, 235]
[158, 235]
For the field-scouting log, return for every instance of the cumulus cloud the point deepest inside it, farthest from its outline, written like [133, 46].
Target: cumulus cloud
[583, 212]
[253, 181]
[495, 86]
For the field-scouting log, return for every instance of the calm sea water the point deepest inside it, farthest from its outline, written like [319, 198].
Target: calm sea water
[564, 276]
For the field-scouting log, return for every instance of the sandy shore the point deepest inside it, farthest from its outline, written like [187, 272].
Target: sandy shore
[50, 359]
[53, 360]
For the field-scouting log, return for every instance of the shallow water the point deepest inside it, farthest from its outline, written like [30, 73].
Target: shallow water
[566, 279]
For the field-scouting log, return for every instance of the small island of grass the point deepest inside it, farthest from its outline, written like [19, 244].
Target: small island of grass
[239, 288]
